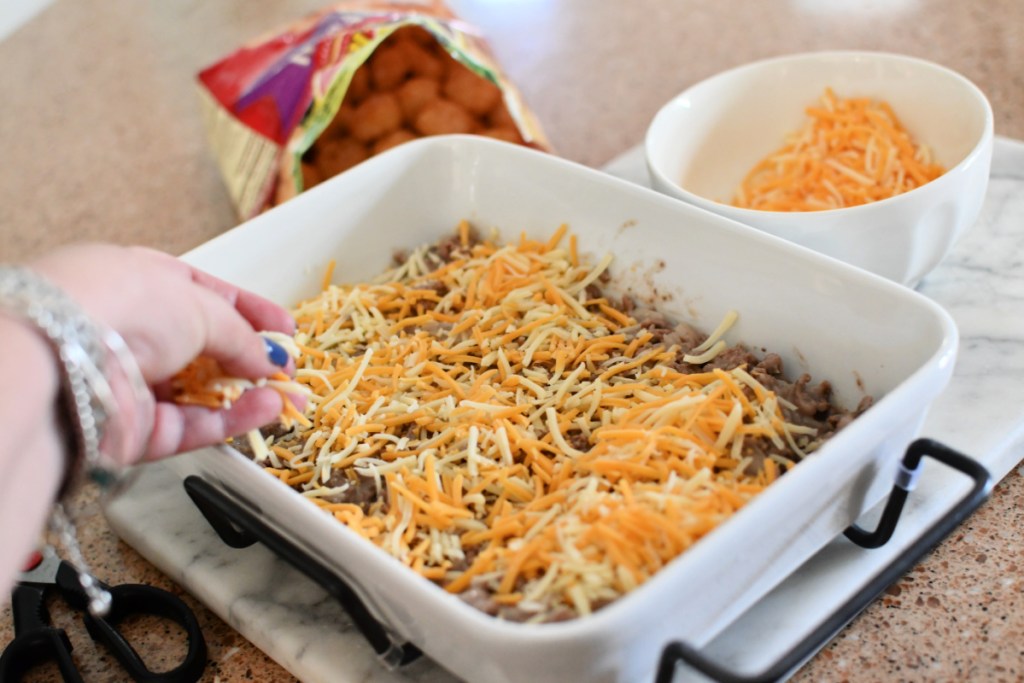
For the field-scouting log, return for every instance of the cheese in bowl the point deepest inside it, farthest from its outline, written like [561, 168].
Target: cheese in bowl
[851, 151]
[491, 416]
[869, 190]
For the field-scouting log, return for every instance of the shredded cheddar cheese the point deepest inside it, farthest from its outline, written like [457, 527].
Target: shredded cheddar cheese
[487, 421]
[851, 152]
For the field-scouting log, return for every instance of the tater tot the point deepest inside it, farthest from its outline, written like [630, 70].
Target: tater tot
[506, 134]
[474, 93]
[337, 155]
[339, 125]
[392, 140]
[416, 93]
[389, 66]
[359, 86]
[310, 176]
[422, 61]
[377, 116]
[442, 117]
[416, 34]
[499, 117]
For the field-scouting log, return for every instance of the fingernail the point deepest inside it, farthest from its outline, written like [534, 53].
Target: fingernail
[276, 353]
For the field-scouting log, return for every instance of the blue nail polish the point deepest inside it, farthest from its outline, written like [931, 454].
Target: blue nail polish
[276, 353]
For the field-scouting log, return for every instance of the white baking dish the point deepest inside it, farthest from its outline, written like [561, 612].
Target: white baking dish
[861, 332]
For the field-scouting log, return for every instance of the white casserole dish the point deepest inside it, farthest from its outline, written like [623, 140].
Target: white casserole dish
[859, 331]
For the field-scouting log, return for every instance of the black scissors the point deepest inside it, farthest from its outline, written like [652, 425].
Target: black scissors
[36, 641]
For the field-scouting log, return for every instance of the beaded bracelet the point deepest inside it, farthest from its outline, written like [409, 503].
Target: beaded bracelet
[91, 406]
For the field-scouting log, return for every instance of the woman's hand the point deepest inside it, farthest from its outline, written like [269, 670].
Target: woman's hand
[168, 313]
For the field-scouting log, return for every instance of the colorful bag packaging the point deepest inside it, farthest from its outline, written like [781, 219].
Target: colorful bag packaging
[290, 110]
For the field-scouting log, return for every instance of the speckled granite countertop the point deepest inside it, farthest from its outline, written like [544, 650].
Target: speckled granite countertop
[102, 140]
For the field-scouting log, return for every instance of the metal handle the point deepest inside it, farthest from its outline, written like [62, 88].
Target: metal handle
[239, 527]
[677, 652]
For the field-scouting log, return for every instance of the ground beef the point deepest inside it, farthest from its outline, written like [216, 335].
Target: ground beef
[812, 403]
[436, 329]
[770, 365]
[757, 450]
[468, 556]
[686, 337]
[657, 324]
[438, 288]
[732, 357]
[361, 492]
[578, 440]
[839, 420]
[448, 249]
[241, 443]
[444, 251]
[481, 597]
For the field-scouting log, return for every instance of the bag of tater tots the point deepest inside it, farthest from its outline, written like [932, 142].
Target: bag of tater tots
[288, 111]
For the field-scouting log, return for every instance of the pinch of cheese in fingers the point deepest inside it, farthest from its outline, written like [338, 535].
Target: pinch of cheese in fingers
[204, 382]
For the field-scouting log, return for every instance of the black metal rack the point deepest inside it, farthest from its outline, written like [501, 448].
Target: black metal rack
[240, 527]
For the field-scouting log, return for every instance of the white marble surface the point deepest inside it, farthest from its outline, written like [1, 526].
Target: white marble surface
[981, 413]
[16, 13]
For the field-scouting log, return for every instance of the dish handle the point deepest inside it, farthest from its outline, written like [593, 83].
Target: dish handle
[239, 527]
[675, 653]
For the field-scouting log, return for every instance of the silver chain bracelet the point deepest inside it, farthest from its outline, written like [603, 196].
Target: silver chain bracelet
[81, 347]
[78, 343]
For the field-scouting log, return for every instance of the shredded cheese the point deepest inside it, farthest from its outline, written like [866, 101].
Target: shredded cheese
[518, 435]
[851, 152]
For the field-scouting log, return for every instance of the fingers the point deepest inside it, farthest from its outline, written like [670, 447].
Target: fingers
[213, 318]
[261, 313]
[229, 339]
[183, 428]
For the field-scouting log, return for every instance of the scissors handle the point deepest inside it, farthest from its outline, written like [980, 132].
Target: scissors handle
[35, 641]
[36, 647]
[131, 599]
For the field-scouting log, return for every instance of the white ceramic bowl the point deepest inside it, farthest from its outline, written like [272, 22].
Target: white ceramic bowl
[861, 332]
[703, 142]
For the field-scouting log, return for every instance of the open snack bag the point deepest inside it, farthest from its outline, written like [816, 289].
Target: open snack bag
[293, 109]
